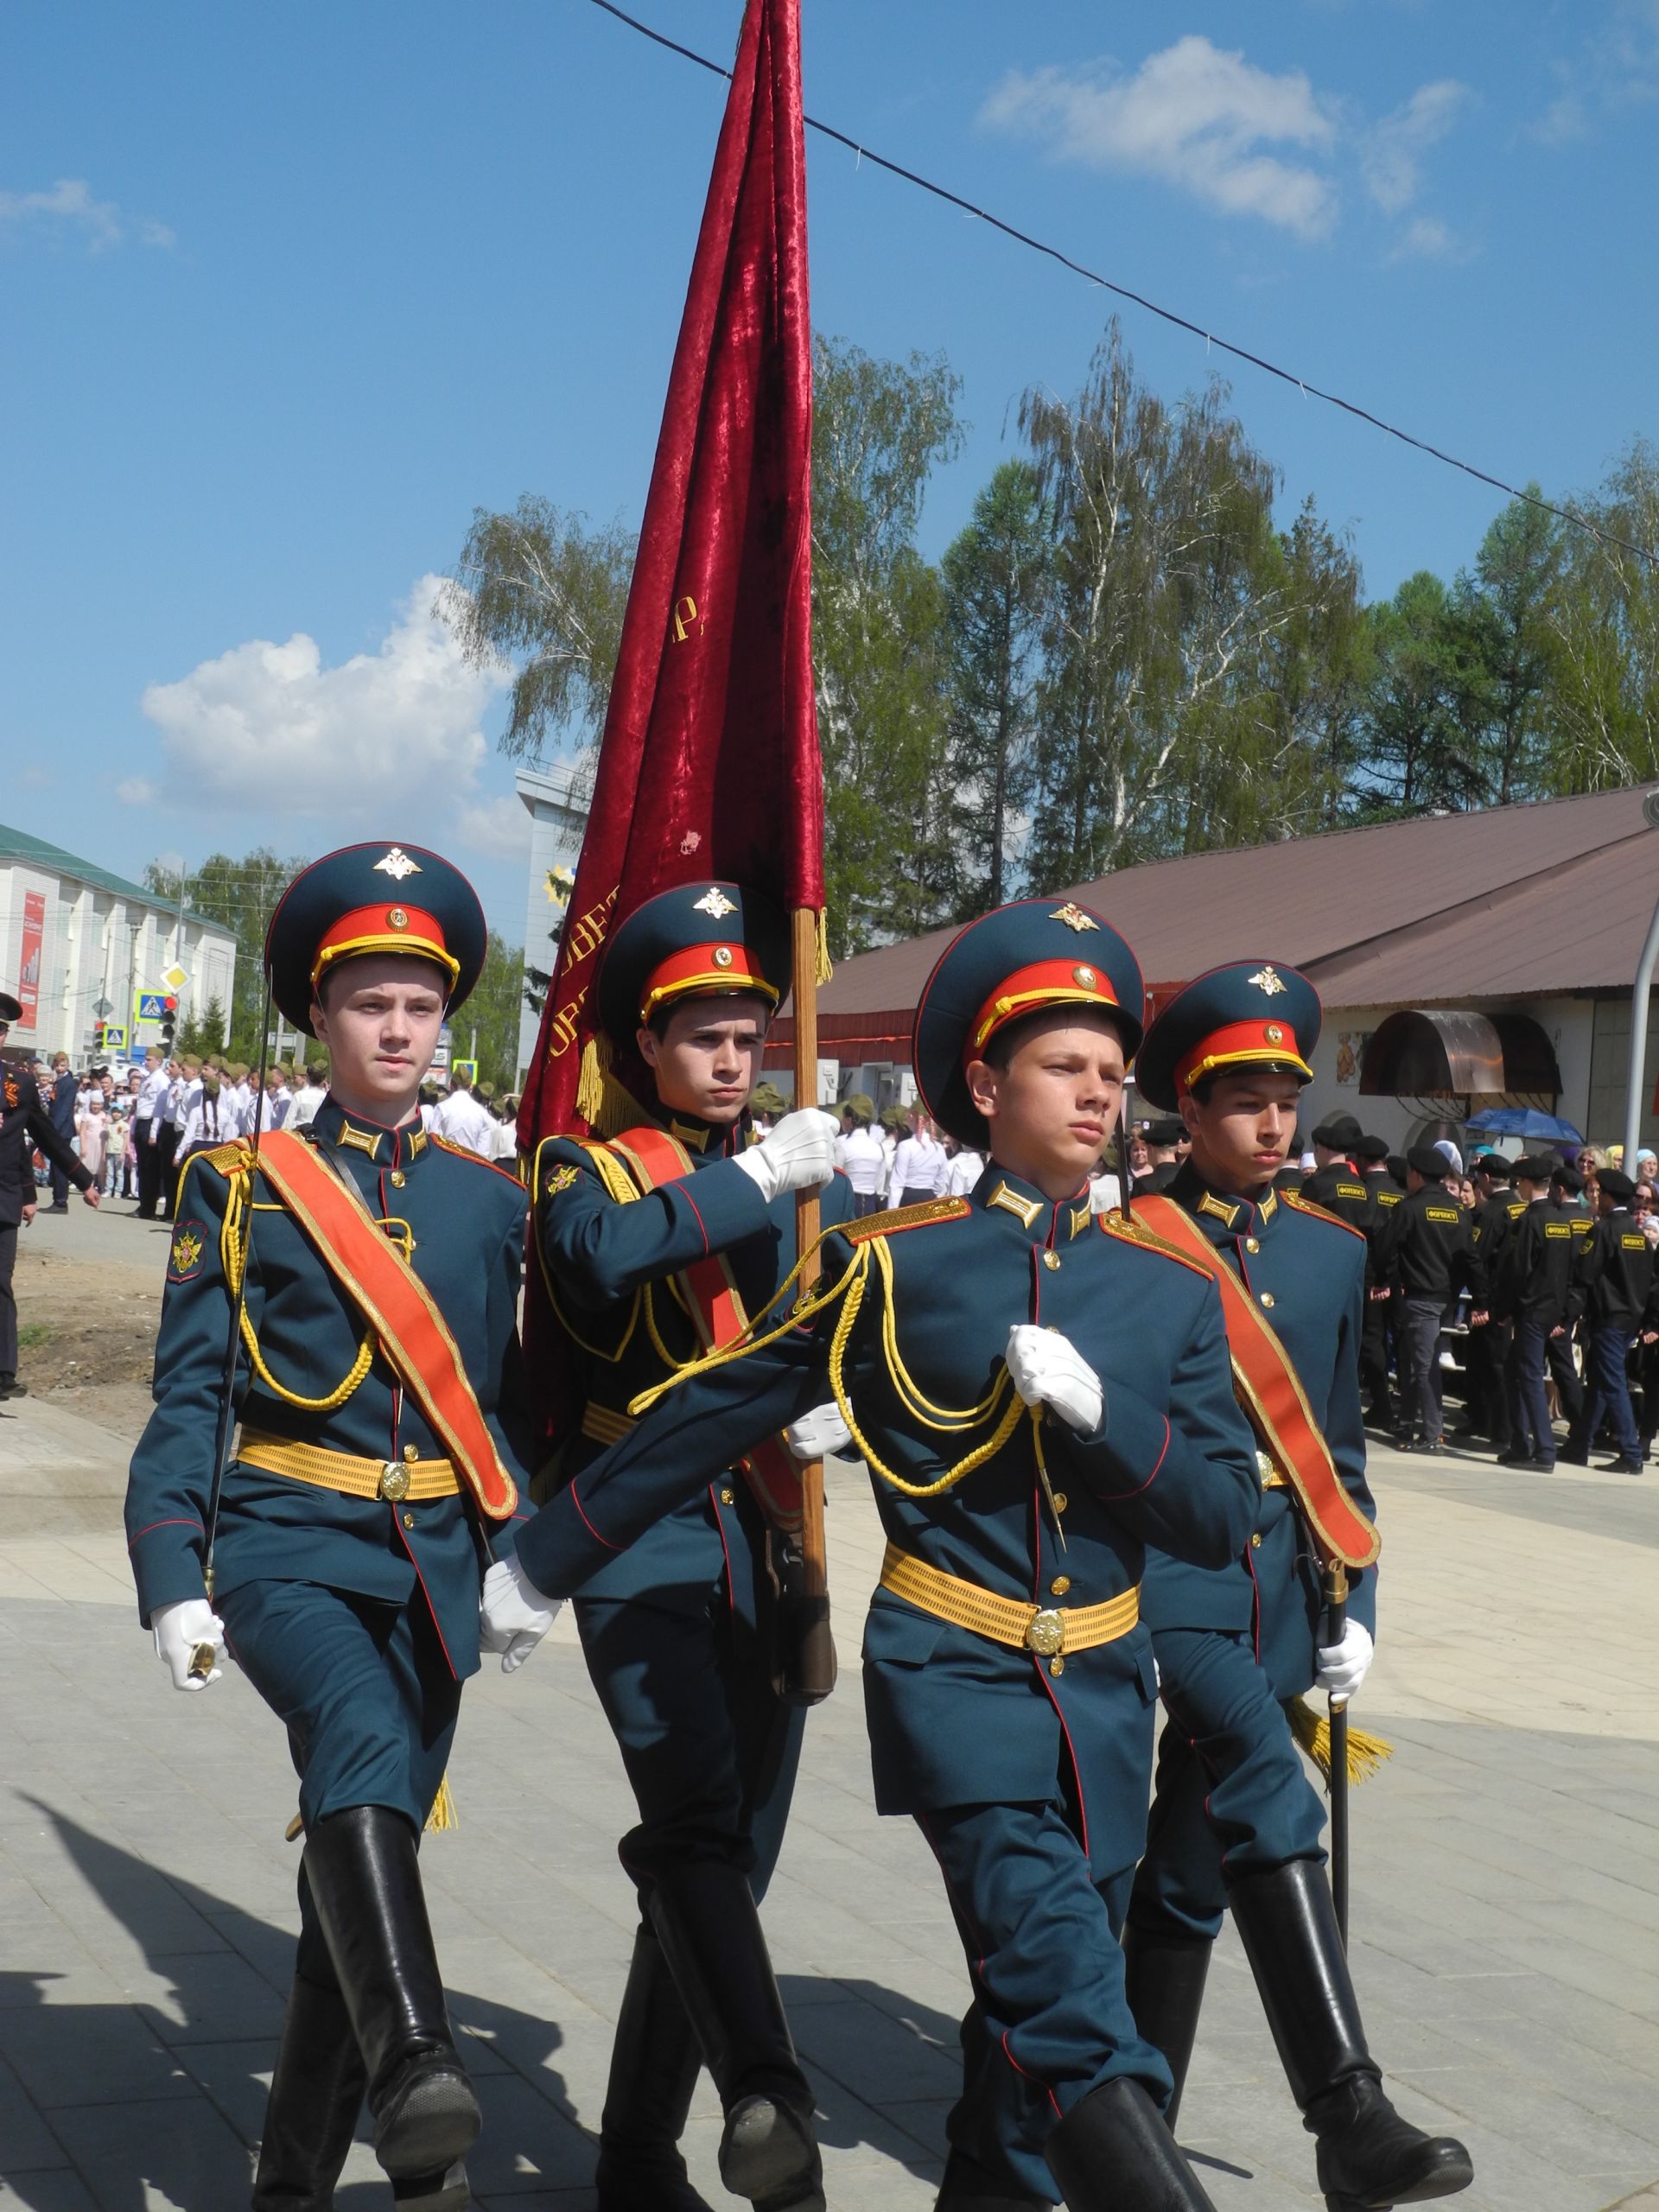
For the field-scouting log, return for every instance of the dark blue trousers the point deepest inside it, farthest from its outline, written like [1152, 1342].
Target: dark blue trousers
[363, 1687]
[1607, 1391]
[1231, 1793]
[1528, 1406]
[1049, 2021]
[709, 1747]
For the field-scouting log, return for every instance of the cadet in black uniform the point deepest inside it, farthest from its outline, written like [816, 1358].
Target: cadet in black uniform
[1567, 1190]
[1495, 1219]
[1533, 1287]
[1615, 1273]
[1384, 1193]
[1429, 1255]
[1335, 1183]
[24, 1123]
[1167, 1145]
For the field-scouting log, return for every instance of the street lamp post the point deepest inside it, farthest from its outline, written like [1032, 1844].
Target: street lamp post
[1639, 996]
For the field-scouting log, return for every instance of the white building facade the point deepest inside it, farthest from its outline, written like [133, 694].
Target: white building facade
[75, 938]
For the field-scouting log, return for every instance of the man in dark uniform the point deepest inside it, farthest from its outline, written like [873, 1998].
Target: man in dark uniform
[24, 1123]
[1428, 1254]
[1165, 1149]
[682, 1633]
[61, 1110]
[1495, 1219]
[1614, 1275]
[1235, 1821]
[384, 1431]
[1567, 1191]
[1533, 1289]
[1335, 1183]
[1039, 1393]
[1372, 1153]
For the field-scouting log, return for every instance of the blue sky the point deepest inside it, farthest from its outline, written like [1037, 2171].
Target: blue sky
[285, 293]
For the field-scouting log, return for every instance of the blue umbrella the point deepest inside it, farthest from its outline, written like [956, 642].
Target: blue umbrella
[1523, 1122]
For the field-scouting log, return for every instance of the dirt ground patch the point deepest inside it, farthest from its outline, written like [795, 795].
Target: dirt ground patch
[88, 1334]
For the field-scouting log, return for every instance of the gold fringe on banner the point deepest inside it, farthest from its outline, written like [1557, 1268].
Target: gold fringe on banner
[826, 965]
[605, 1105]
[1312, 1730]
[443, 1813]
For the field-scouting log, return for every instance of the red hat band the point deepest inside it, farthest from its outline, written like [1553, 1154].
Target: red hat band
[706, 968]
[1240, 1044]
[385, 929]
[1046, 982]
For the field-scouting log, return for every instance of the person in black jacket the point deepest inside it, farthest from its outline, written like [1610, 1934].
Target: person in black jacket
[1498, 1209]
[1615, 1272]
[1428, 1255]
[24, 1123]
[1567, 1190]
[61, 1112]
[1383, 1194]
[1533, 1289]
[1335, 1183]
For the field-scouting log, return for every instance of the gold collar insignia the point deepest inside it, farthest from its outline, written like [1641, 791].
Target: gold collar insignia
[1225, 1214]
[1081, 1218]
[1267, 1204]
[365, 1140]
[1025, 1210]
[697, 1139]
[417, 1142]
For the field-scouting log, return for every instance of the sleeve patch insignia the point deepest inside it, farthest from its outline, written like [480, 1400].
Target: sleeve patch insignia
[561, 1178]
[184, 1260]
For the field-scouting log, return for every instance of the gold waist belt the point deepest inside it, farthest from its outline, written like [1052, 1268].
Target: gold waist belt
[604, 1427]
[1049, 1630]
[391, 1479]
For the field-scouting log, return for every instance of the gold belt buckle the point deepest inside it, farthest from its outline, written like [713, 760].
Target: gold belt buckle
[394, 1482]
[1046, 1631]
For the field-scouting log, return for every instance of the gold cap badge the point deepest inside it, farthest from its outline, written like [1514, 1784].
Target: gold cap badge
[1266, 980]
[398, 864]
[722, 956]
[714, 901]
[397, 919]
[1084, 978]
[1074, 917]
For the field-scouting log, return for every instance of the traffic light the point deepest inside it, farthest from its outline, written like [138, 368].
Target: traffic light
[169, 1019]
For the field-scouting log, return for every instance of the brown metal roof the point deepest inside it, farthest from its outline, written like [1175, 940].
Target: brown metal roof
[1515, 901]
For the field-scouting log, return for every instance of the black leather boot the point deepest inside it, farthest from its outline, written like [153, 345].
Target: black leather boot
[365, 1884]
[1113, 2153]
[710, 1933]
[316, 2094]
[655, 2062]
[1164, 1972]
[442, 2192]
[1369, 2158]
[968, 2187]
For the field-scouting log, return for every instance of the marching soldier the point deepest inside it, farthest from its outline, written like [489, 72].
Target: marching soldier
[1039, 1393]
[382, 1440]
[1614, 1275]
[1372, 1153]
[1428, 1254]
[1535, 1285]
[1235, 1822]
[655, 1246]
[24, 1123]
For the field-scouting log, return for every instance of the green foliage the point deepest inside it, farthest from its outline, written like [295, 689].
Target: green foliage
[242, 895]
[493, 1010]
[202, 1033]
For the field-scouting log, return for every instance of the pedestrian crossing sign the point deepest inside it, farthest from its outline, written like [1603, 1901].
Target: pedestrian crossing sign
[115, 1037]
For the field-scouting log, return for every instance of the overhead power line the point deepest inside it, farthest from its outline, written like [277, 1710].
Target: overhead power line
[1166, 314]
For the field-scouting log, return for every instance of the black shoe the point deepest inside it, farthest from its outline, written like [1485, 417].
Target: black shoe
[1517, 1458]
[1569, 1458]
[1369, 2156]
[655, 2062]
[1164, 1971]
[704, 1916]
[968, 2187]
[1436, 1450]
[365, 1884]
[316, 2094]
[58, 1206]
[11, 1388]
[1623, 1465]
[442, 2192]
[1113, 2153]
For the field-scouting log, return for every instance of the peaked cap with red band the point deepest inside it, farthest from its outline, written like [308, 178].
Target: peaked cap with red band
[1026, 958]
[701, 940]
[378, 897]
[1251, 1013]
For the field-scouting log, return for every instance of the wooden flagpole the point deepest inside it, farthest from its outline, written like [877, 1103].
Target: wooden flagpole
[817, 1655]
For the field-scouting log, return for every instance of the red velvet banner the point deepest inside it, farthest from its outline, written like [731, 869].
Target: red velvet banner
[710, 765]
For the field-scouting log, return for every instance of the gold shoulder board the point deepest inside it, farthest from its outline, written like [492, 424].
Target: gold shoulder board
[899, 1218]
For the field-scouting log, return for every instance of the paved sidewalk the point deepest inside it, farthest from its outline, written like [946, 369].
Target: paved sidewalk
[1506, 1889]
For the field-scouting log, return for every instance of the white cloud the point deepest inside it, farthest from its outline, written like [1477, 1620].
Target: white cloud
[1194, 117]
[1392, 150]
[1425, 238]
[499, 827]
[69, 206]
[1617, 68]
[137, 791]
[267, 726]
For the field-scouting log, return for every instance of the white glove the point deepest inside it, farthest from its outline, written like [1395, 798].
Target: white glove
[1048, 1370]
[818, 1434]
[799, 1153]
[179, 1629]
[513, 1615]
[1343, 1666]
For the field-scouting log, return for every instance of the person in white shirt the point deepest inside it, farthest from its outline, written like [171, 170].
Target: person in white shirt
[152, 1097]
[464, 1119]
[309, 1095]
[919, 1166]
[964, 1170]
[506, 1132]
[206, 1125]
[865, 1161]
